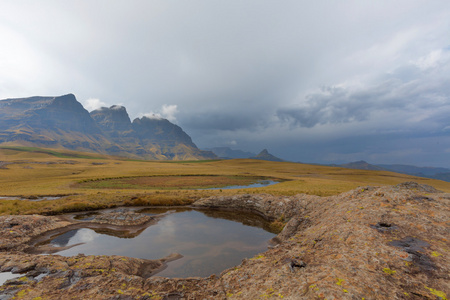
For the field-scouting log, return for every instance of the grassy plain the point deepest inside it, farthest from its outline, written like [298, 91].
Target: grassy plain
[91, 181]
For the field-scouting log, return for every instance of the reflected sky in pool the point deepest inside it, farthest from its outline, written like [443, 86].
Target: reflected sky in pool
[261, 183]
[4, 276]
[209, 244]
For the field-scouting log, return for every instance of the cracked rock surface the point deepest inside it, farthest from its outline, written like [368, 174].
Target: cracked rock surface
[387, 242]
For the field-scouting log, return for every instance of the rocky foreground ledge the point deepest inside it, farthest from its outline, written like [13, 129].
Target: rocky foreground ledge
[369, 243]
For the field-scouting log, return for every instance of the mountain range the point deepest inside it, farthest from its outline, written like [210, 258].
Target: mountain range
[228, 153]
[428, 172]
[63, 122]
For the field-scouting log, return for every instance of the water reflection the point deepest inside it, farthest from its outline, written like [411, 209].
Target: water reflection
[261, 183]
[208, 242]
[5, 276]
[86, 216]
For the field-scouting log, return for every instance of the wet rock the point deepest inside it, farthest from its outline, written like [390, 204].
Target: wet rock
[415, 248]
[129, 218]
[268, 206]
[15, 231]
[384, 227]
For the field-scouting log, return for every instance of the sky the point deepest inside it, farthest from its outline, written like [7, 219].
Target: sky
[311, 81]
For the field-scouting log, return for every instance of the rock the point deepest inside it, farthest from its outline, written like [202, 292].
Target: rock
[292, 227]
[269, 206]
[296, 264]
[330, 249]
[411, 185]
[128, 218]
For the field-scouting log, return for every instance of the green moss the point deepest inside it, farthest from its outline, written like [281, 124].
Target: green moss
[437, 293]
[389, 271]
[435, 254]
[22, 293]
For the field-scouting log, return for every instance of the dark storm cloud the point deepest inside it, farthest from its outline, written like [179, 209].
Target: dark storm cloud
[332, 105]
[415, 98]
[296, 76]
[215, 121]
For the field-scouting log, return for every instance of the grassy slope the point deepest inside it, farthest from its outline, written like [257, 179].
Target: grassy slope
[41, 172]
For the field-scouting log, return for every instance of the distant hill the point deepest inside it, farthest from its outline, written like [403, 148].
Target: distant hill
[361, 165]
[228, 153]
[413, 170]
[441, 176]
[265, 155]
[62, 122]
[428, 172]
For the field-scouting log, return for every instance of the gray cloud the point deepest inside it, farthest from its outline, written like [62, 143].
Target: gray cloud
[414, 97]
[298, 77]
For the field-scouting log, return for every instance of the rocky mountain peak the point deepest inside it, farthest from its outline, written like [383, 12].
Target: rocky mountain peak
[63, 113]
[264, 152]
[265, 155]
[114, 118]
[118, 107]
[152, 129]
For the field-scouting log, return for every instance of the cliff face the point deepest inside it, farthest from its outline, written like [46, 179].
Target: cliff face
[167, 139]
[113, 121]
[116, 126]
[63, 113]
[64, 123]
[160, 130]
[49, 121]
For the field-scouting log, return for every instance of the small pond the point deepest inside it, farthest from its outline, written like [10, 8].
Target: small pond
[179, 182]
[261, 183]
[209, 241]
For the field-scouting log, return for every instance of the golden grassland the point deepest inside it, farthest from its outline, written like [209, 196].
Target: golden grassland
[91, 181]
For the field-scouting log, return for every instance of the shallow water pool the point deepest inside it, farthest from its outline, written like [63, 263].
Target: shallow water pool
[209, 241]
[5, 276]
[261, 183]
